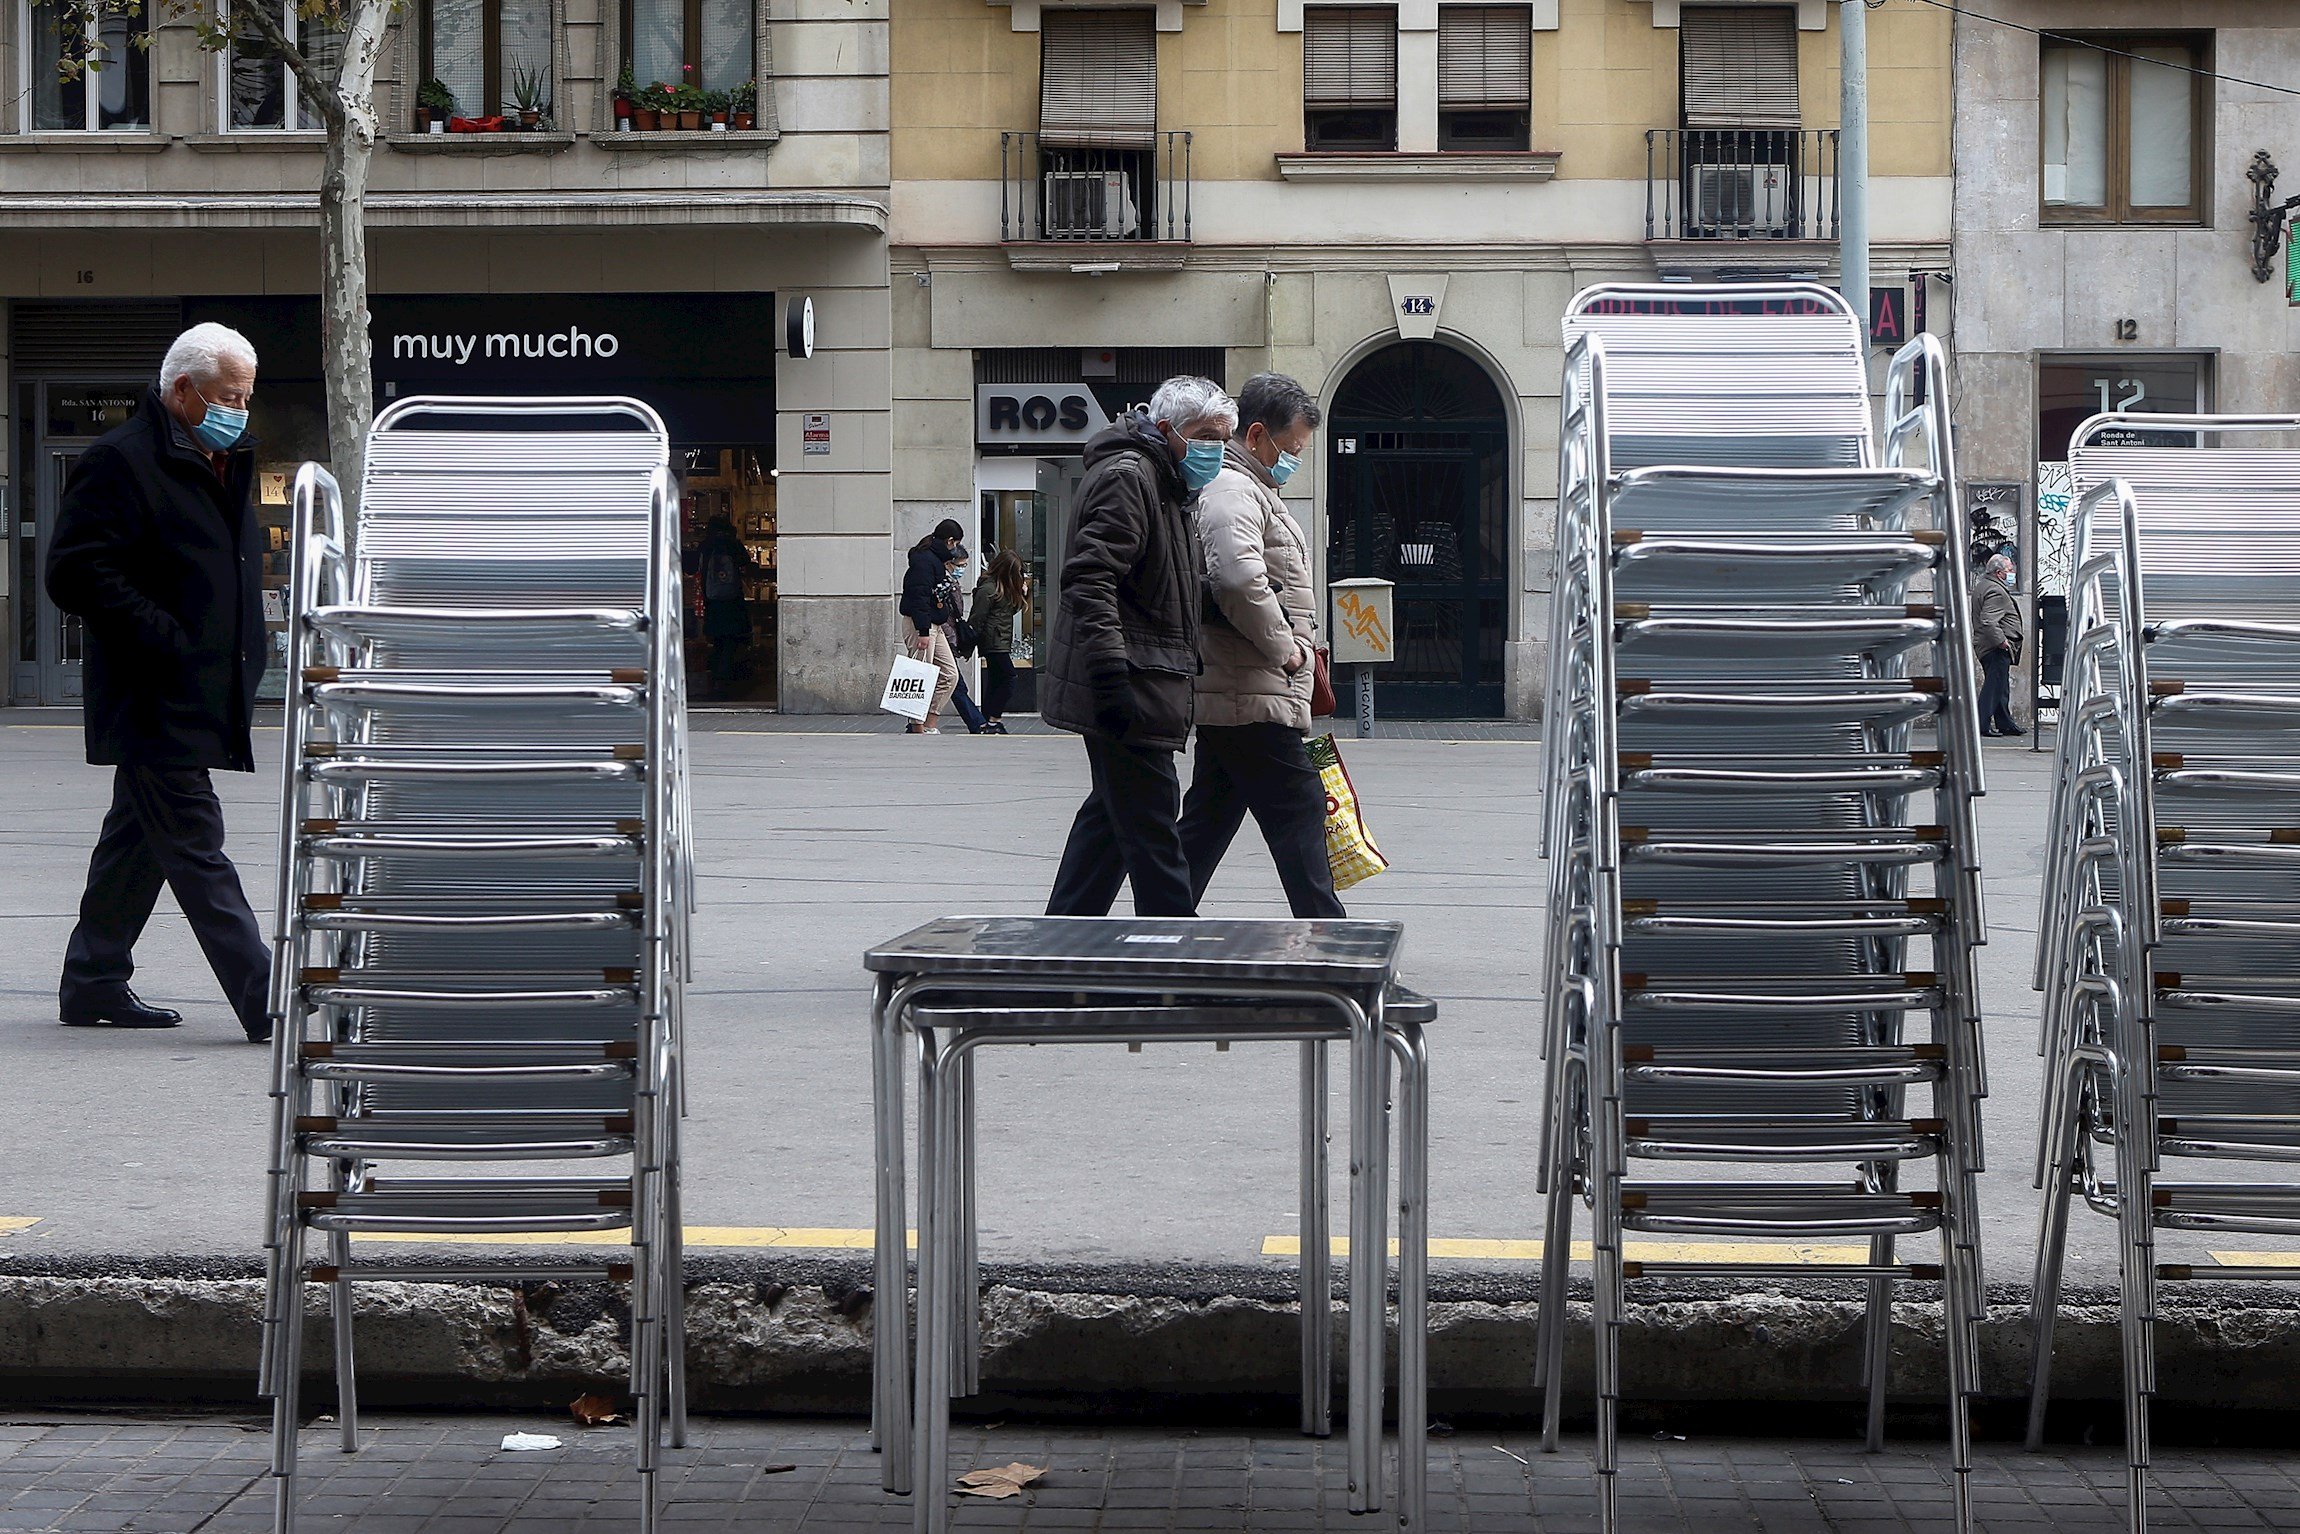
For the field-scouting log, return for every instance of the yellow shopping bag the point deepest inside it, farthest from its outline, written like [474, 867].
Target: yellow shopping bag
[1350, 848]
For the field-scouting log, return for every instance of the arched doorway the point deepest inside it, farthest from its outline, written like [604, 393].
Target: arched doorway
[1418, 465]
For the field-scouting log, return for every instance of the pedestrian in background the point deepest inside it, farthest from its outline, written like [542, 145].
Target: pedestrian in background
[952, 601]
[998, 597]
[1253, 697]
[1996, 633]
[720, 564]
[158, 553]
[1124, 649]
[924, 606]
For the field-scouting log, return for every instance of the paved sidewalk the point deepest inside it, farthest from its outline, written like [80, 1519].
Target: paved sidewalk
[448, 1476]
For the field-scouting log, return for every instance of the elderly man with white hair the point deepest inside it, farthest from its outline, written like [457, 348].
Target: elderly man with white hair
[157, 551]
[1996, 634]
[1124, 649]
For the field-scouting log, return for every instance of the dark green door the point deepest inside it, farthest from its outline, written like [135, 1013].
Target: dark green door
[1418, 454]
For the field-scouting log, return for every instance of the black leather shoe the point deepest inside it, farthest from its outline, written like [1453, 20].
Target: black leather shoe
[258, 1032]
[127, 1010]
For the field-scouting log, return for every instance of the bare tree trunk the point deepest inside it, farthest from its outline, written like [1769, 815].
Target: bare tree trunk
[344, 357]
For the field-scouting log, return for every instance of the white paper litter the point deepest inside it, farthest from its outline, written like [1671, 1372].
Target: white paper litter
[529, 1441]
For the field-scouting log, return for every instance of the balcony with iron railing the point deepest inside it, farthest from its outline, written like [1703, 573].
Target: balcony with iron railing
[1093, 208]
[1739, 186]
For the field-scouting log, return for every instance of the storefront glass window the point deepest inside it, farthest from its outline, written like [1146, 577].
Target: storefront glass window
[727, 536]
[112, 91]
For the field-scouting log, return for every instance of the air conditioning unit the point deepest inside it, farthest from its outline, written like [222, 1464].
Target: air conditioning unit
[1090, 205]
[1740, 200]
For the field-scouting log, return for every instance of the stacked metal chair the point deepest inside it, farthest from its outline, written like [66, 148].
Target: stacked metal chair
[1764, 888]
[2169, 936]
[484, 884]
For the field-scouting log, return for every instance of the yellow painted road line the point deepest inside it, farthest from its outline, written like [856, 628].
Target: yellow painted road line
[2257, 1259]
[796, 1237]
[12, 1223]
[1633, 1251]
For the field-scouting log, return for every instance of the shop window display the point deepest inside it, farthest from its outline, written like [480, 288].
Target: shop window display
[727, 537]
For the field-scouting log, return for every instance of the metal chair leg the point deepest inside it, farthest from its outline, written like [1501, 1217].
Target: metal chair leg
[1316, 1286]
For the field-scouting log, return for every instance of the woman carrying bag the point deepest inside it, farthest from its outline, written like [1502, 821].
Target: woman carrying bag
[1258, 650]
[998, 596]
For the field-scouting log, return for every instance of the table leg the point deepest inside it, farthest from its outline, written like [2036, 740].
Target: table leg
[1317, 1252]
[967, 1334]
[890, 1304]
[931, 1430]
[1413, 1281]
[1368, 1259]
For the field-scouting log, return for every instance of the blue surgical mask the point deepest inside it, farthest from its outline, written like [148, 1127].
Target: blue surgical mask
[1201, 463]
[221, 426]
[1284, 468]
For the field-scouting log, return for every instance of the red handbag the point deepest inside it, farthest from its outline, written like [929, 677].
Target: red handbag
[1322, 704]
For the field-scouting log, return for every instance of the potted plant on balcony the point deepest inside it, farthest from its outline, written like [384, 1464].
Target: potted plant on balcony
[743, 106]
[647, 108]
[434, 104]
[687, 101]
[715, 109]
[527, 94]
[626, 99]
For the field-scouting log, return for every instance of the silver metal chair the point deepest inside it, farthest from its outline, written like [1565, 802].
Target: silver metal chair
[2168, 946]
[482, 927]
[1761, 755]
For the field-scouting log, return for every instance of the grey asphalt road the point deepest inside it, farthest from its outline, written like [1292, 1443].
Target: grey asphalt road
[814, 845]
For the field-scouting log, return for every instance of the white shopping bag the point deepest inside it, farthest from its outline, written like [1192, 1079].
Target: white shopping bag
[910, 688]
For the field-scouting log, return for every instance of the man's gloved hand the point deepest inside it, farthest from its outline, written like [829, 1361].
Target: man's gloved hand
[1113, 702]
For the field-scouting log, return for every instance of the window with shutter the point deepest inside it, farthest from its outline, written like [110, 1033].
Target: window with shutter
[1350, 78]
[1098, 79]
[1738, 66]
[1485, 77]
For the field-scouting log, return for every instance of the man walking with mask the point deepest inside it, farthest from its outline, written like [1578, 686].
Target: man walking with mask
[1124, 649]
[156, 552]
[1996, 629]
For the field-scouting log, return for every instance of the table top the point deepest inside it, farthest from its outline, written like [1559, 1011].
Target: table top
[1139, 951]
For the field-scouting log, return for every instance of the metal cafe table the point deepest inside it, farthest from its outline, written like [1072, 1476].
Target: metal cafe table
[959, 984]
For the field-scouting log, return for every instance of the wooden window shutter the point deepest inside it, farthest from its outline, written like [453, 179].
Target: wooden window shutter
[1485, 56]
[1739, 66]
[1349, 57]
[1098, 79]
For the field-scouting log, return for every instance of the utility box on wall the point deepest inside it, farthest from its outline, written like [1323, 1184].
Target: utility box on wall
[1364, 630]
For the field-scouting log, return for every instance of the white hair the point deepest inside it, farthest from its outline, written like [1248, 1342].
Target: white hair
[2000, 565]
[1185, 402]
[201, 352]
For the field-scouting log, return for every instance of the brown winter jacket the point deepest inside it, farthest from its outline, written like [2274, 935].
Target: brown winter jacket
[1126, 620]
[1996, 616]
[1258, 573]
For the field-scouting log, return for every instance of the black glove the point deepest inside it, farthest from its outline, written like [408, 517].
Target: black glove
[1113, 702]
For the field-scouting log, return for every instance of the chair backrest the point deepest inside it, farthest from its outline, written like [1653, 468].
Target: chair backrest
[2219, 527]
[1736, 375]
[510, 503]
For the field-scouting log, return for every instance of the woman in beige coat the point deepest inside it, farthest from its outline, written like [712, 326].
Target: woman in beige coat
[1252, 697]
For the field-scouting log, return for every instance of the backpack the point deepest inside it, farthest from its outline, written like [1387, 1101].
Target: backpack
[722, 575]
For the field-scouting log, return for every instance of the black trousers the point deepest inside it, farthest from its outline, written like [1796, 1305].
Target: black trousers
[164, 827]
[1996, 692]
[1125, 830]
[997, 682]
[1262, 769]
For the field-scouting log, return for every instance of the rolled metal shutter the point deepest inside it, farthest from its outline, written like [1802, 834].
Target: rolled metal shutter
[91, 340]
[1098, 79]
[1349, 57]
[1739, 66]
[1485, 56]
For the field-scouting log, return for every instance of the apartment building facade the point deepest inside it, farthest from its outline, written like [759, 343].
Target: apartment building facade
[2106, 253]
[1392, 202]
[576, 256]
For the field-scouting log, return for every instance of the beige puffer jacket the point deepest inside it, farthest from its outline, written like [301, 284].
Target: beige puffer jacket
[1258, 574]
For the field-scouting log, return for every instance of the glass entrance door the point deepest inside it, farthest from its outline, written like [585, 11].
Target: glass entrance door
[1419, 495]
[72, 415]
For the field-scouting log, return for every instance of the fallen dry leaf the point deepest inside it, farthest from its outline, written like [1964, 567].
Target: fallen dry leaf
[1006, 1481]
[594, 1410]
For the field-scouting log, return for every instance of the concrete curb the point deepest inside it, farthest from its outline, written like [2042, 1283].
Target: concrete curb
[795, 1337]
